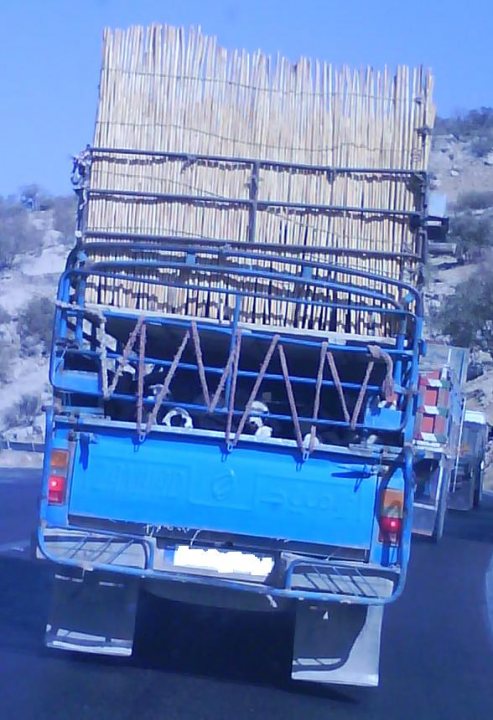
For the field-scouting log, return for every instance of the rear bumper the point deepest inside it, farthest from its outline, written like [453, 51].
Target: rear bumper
[293, 576]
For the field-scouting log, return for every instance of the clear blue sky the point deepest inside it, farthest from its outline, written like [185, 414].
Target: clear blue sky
[50, 54]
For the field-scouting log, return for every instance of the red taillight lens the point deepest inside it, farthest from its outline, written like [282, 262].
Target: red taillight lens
[391, 525]
[390, 520]
[56, 489]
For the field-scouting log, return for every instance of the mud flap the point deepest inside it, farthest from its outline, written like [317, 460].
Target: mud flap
[462, 497]
[429, 517]
[424, 519]
[337, 644]
[93, 613]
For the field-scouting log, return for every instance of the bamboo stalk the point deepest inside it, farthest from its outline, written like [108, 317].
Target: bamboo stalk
[167, 90]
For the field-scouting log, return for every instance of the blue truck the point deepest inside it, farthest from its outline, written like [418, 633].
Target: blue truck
[227, 462]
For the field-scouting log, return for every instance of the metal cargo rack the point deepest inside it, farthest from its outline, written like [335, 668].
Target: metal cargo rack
[367, 382]
[303, 340]
[273, 227]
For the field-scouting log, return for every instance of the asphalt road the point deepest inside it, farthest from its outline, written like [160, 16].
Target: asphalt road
[191, 663]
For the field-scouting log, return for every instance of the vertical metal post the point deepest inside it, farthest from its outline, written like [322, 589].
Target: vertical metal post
[424, 213]
[398, 369]
[140, 380]
[234, 338]
[414, 376]
[81, 174]
[253, 196]
[459, 443]
[79, 300]
[61, 314]
[252, 227]
[94, 336]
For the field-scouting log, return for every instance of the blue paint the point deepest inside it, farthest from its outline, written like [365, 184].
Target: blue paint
[254, 491]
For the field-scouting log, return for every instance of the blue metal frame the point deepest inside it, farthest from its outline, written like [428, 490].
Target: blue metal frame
[303, 278]
[405, 360]
[152, 242]
[99, 269]
[241, 586]
[300, 270]
[251, 201]
[191, 158]
[302, 273]
[394, 568]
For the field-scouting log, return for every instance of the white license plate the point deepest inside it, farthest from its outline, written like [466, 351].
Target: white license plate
[223, 562]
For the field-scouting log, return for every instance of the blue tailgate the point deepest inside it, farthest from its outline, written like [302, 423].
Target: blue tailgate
[180, 481]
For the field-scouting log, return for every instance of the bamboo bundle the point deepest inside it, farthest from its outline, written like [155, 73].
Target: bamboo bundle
[164, 91]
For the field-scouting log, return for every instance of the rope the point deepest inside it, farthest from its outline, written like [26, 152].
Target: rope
[102, 339]
[151, 420]
[292, 401]
[227, 368]
[200, 363]
[129, 346]
[388, 384]
[338, 384]
[232, 394]
[140, 378]
[318, 389]
[361, 394]
[376, 353]
[256, 387]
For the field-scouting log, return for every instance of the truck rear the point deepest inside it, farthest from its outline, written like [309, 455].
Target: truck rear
[235, 360]
[441, 408]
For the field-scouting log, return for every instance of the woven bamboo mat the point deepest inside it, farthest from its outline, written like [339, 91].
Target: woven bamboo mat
[164, 90]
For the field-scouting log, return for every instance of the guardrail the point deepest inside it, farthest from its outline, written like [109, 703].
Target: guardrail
[26, 446]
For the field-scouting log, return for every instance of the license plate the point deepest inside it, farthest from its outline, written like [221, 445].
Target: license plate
[223, 562]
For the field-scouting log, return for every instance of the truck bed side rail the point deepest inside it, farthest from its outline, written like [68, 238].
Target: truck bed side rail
[144, 367]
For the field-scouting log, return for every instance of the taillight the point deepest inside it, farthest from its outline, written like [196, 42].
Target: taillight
[57, 481]
[59, 459]
[390, 525]
[391, 513]
[56, 489]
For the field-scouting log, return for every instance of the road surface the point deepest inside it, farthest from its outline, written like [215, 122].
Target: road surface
[196, 664]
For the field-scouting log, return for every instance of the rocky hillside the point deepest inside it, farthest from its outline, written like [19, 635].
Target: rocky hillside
[461, 167]
[456, 170]
[29, 271]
